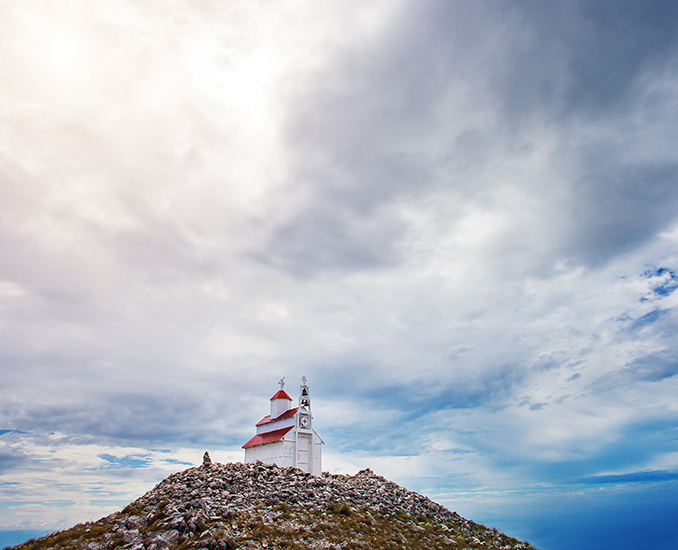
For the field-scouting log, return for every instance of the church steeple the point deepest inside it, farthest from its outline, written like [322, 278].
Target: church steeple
[304, 406]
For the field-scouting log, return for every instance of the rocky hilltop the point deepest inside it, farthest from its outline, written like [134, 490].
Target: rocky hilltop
[258, 506]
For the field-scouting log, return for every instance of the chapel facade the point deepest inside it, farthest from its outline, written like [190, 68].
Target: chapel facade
[286, 437]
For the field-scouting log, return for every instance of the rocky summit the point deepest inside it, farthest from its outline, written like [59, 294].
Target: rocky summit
[259, 506]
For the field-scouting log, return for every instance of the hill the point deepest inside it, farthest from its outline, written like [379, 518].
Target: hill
[258, 506]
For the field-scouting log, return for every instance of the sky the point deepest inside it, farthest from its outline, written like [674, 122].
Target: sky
[458, 219]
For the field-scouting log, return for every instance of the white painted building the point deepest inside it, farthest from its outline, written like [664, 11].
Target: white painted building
[286, 436]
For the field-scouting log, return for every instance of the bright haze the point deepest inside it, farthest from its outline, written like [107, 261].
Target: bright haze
[458, 219]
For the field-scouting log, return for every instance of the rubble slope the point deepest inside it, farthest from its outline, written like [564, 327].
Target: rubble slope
[257, 506]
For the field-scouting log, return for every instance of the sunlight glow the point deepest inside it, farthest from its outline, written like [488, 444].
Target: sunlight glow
[62, 54]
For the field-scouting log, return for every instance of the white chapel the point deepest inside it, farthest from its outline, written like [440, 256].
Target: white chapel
[286, 436]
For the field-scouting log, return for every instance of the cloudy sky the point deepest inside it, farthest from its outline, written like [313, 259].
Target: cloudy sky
[458, 219]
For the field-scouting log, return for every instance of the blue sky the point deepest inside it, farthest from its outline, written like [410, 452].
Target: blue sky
[458, 219]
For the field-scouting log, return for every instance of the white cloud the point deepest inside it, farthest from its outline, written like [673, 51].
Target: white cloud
[466, 245]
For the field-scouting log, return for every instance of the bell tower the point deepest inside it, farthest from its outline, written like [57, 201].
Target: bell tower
[305, 417]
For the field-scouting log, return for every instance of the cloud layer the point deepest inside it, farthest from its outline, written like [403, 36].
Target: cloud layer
[458, 219]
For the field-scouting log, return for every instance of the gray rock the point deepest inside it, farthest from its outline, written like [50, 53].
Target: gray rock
[135, 522]
[131, 535]
[177, 523]
[171, 537]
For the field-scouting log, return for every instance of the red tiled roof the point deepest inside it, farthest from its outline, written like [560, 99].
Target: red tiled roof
[281, 395]
[287, 414]
[269, 437]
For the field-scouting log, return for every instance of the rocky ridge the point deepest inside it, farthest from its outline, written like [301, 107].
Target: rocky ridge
[257, 506]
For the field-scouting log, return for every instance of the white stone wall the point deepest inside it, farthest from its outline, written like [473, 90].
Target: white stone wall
[285, 454]
[271, 453]
[317, 456]
[288, 458]
[272, 426]
[279, 406]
